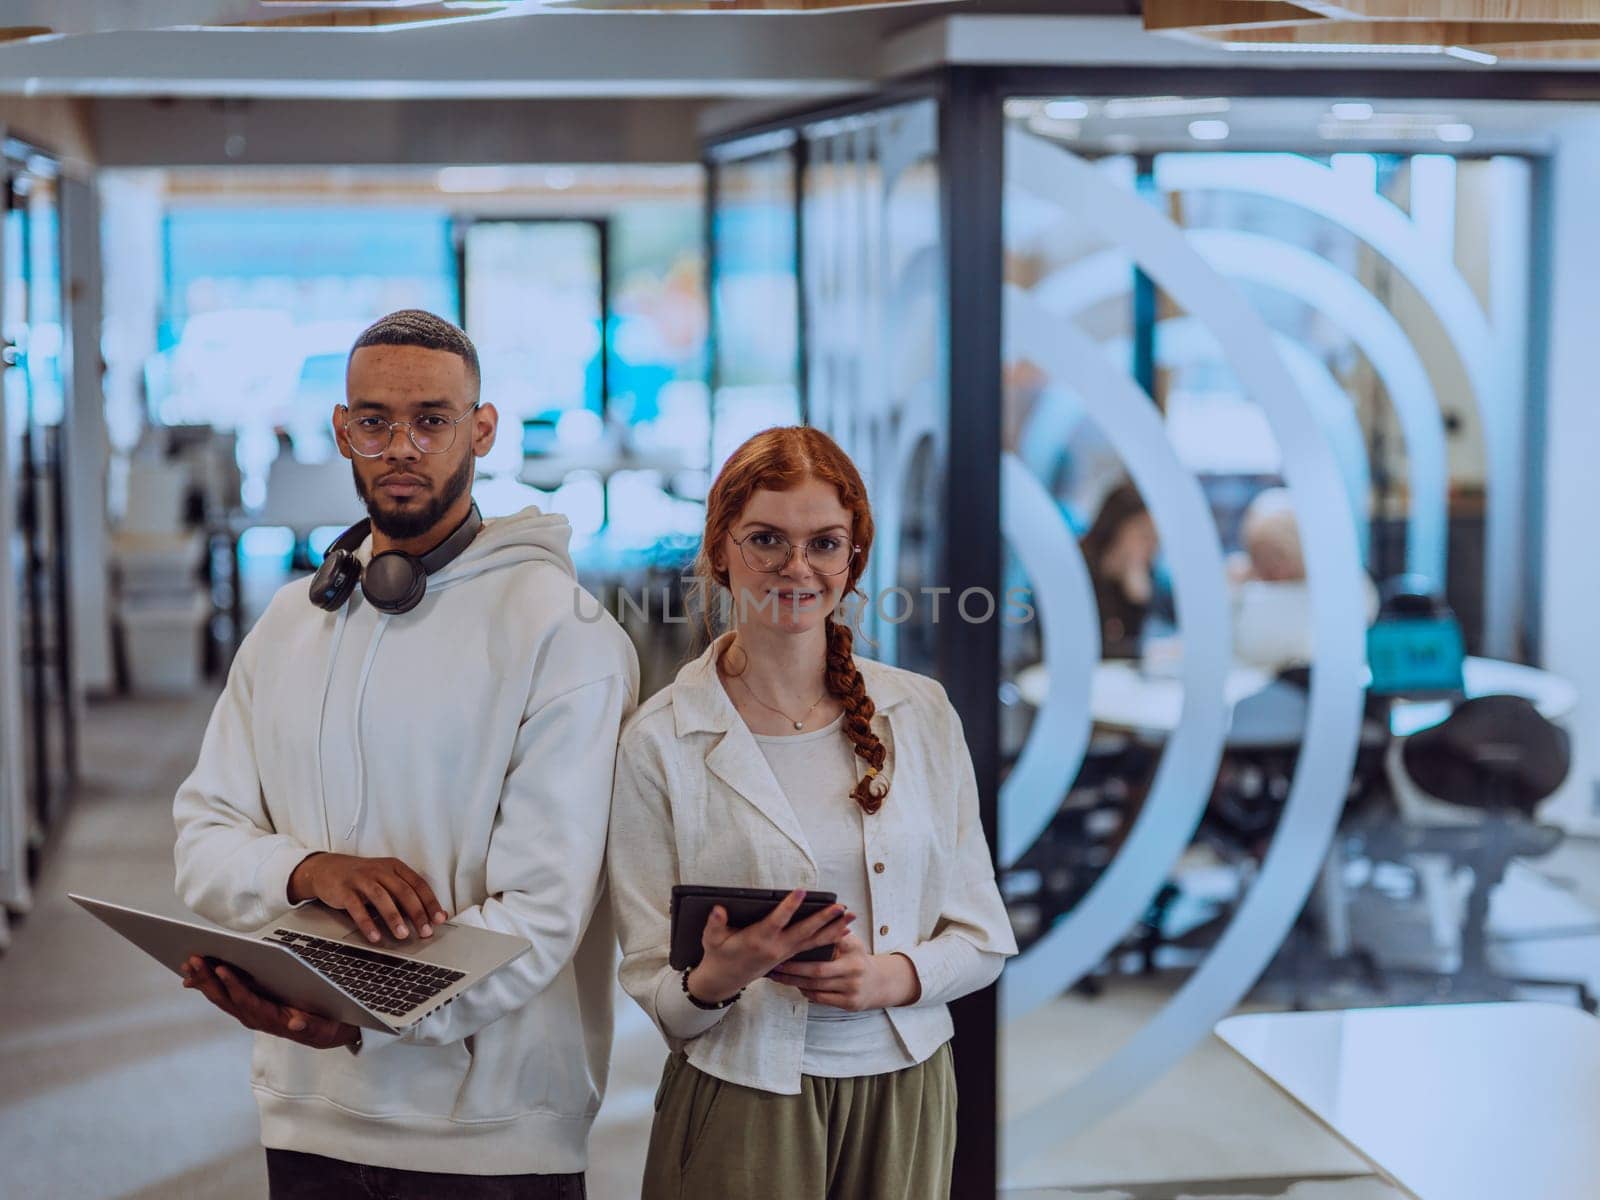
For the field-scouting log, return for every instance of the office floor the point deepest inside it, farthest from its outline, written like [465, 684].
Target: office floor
[114, 1082]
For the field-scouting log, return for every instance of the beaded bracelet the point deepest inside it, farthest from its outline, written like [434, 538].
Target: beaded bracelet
[699, 1003]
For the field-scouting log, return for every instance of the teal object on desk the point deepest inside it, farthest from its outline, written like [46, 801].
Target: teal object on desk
[1416, 656]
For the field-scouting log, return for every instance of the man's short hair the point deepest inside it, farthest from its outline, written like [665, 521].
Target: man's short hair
[415, 327]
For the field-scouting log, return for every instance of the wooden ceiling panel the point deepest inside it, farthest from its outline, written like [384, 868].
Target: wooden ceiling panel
[1524, 29]
[365, 18]
[1423, 33]
[787, 6]
[377, 4]
[1566, 11]
[1200, 15]
[1573, 51]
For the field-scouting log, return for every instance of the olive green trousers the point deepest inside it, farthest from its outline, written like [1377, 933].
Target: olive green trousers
[874, 1137]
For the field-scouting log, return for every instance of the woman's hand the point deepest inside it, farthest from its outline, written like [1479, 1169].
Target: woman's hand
[736, 958]
[855, 980]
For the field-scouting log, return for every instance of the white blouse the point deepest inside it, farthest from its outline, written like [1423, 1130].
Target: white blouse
[695, 801]
[816, 773]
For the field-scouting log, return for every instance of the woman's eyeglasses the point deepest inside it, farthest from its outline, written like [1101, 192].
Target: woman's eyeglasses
[770, 552]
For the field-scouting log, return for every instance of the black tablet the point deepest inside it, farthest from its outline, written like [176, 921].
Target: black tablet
[691, 909]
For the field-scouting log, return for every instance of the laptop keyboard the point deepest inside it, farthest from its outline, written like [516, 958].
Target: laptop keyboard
[385, 983]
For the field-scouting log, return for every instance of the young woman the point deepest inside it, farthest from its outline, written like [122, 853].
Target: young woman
[1120, 549]
[779, 760]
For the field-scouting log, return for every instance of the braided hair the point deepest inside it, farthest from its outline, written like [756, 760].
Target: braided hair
[779, 459]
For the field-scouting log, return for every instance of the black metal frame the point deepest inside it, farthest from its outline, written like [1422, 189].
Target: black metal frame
[708, 236]
[1537, 443]
[971, 132]
[971, 129]
[1146, 302]
[56, 458]
[1249, 82]
[801, 152]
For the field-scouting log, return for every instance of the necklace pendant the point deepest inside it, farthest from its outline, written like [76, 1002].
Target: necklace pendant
[799, 724]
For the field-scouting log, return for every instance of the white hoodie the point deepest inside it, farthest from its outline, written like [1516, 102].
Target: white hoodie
[473, 738]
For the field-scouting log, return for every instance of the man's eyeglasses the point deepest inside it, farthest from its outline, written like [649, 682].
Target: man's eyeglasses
[770, 552]
[431, 433]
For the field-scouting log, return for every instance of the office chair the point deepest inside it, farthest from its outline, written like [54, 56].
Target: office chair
[1088, 830]
[1466, 791]
[1317, 960]
[1074, 849]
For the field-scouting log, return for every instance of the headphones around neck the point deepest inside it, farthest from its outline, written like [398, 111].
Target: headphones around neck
[393, 582]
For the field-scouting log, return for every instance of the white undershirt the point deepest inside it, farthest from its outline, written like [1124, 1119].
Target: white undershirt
[817, 772]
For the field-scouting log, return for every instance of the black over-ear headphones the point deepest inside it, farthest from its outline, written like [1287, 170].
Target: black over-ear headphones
[394, 581]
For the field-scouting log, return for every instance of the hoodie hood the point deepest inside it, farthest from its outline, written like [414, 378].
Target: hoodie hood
[526, 536]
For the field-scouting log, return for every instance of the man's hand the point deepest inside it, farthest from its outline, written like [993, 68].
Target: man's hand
[855, 980]
[361, 886]
[226, 988]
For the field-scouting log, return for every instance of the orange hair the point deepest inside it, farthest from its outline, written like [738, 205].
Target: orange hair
[779, 459]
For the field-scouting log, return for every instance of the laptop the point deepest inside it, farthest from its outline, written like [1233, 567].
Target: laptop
[316, 960]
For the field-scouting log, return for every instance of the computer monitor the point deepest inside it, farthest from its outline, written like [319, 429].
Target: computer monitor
[1416, 656]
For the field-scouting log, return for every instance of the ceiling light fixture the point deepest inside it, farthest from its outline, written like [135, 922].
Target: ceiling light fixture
[1066, 110]
[1048, 127]
[1163, 106]
[1394, 127]
[1357, 48]
[473, 179]
[1208, 131]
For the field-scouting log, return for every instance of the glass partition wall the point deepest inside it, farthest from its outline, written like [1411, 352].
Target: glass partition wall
[827, 301]
[1244, 389]
[1185, 383]
[38, 729]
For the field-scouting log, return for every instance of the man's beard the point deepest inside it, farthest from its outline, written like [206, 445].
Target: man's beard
[410, 523]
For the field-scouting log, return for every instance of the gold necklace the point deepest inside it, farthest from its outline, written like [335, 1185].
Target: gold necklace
[801, 723]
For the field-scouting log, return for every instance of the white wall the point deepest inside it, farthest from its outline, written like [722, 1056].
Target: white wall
[1572, 482]
[131, 202]
[87, 442]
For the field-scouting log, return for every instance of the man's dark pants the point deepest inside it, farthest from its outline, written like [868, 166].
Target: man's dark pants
[296, 1176]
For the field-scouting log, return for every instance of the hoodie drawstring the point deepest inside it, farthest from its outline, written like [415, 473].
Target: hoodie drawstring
[355, 724]
[528, 536]
[322, 717]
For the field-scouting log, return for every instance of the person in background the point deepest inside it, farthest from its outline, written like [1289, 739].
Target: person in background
[1270, 537]
[1272, 626]
[778, 759]
[1120, 551]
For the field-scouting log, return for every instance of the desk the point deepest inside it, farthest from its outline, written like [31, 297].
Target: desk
[1122, 696]
[1453, 1102]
